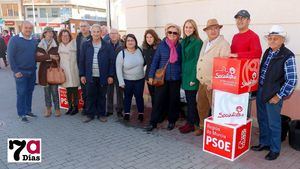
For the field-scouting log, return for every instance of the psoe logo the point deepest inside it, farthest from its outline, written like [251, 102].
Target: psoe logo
[24, 150]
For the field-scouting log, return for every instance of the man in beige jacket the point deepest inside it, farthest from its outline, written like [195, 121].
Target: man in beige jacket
[214, 46]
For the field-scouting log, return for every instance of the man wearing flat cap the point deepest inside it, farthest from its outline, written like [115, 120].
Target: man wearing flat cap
[214, 46]
[245, 44]
[277, 80]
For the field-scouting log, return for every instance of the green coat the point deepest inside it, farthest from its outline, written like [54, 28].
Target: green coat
[190, 53]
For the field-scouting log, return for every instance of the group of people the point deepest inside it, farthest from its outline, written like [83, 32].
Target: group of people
[101, 63]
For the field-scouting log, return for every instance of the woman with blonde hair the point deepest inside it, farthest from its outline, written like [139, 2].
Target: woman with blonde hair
[168, 55]
[191, 45]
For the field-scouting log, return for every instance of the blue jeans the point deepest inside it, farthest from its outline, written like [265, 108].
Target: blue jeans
[51, 91]
[134, 88]
[25, 87]
[269, 121]
[96, 98]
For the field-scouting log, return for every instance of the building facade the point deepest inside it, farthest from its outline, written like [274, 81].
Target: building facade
[10, 15]
[143, 14]
[49, 12]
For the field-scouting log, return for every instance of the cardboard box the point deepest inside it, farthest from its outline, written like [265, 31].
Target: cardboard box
[235, 75]
[226, 141]
[63, 101]
[230, 108]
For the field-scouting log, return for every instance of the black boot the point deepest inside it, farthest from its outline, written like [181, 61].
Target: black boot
[141, 117]
[69, 110]
[75, 111]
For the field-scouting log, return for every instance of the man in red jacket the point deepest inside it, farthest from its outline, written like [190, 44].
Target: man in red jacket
[245, 44]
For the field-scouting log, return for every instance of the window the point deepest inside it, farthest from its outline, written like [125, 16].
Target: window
[55, 12]
[30, 12]
[10, 10]
[43, 13]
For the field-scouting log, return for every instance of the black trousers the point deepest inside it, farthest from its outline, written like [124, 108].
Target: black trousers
[72, 96]
[152, 93]
[192, 113]
[168, 94]
[96, 98]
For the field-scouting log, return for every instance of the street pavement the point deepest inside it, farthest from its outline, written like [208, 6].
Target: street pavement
[67, 143]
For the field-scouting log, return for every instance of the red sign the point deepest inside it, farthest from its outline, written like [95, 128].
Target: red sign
[235, 75]
[63, 101]
[9, 23]
[226, 141]
[43, 24]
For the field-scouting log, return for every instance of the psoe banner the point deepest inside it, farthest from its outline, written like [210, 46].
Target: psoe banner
[24, 150]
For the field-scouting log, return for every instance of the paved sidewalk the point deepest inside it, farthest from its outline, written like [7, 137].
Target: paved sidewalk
[67, 143]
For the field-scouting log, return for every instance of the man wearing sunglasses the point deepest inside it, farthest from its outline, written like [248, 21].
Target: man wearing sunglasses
[245, 44]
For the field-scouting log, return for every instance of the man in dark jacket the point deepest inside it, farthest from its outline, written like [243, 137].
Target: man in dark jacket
[96, 69]
[117, 45]
[82, 37]
[277, 80]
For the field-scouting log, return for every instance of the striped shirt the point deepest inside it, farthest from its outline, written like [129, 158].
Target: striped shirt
[96, 72]
[290, 74]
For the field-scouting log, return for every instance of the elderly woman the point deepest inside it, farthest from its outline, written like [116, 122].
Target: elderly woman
[277, 80]
[47, 54]
[67, 53]
[168, 54]
[130, 73]
[96, 70]
[191, 45]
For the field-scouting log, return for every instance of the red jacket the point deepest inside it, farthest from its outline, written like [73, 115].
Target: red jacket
[6, 39]
[246, 45]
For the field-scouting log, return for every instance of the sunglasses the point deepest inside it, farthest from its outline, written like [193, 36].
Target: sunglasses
[174, 33]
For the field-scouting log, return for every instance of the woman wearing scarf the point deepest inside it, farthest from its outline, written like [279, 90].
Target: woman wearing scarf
[47, 54]
[168, 53]
[191, 45]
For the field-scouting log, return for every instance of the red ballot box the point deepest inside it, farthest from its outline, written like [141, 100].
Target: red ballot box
[235, 75]
[226, 141]
[63, 101]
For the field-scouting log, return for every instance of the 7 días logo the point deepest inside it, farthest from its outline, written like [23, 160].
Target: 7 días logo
[24, 150]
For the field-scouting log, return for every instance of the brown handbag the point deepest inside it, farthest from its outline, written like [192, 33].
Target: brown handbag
[56, 75]
[159, 77]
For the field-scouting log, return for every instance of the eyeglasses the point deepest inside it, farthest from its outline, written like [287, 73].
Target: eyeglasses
[174, 33]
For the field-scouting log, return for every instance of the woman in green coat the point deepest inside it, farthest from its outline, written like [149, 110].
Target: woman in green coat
[191, 46]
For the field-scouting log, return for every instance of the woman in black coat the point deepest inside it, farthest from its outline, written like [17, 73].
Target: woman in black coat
[150, 43]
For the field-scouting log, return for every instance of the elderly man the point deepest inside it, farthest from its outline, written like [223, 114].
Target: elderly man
[21, 53]
[117, 45]
[83, 36]
[104, 33]
[277, 80]
[245, 44]
[96, 69]
[214, 46]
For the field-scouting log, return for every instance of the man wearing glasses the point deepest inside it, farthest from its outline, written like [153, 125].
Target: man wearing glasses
[245, 44]
[83, 36]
